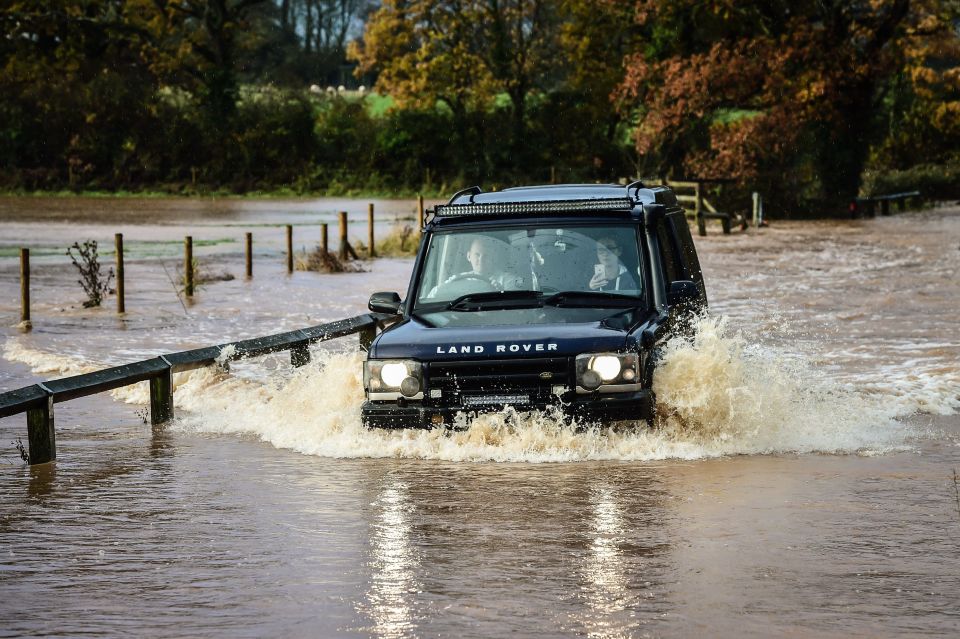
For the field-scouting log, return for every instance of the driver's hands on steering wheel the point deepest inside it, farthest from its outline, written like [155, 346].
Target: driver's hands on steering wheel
[470, 275]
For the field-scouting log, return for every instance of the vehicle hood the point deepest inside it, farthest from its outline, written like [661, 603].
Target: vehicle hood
[417, 340]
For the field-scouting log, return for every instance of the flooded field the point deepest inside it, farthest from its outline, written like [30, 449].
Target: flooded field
[804, 485]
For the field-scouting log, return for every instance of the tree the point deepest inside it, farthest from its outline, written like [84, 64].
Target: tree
[73, 89]
[463, 53]
[421, 51]
[309, 42]
[785, 94]
[922, 123]
[199, 45]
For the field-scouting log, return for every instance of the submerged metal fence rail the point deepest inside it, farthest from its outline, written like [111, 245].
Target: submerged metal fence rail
[867, 205]
[37, 400]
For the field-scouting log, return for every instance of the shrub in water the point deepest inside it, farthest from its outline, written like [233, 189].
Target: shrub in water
[87, 261]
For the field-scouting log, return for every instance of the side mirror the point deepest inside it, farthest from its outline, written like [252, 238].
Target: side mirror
[384, 303]
[683, 293]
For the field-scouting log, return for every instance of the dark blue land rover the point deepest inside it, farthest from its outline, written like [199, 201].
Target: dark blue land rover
[534, 297]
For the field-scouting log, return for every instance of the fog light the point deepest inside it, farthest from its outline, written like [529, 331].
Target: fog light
[590, 380]
[628, 375]
[410, 386]
[436, 419]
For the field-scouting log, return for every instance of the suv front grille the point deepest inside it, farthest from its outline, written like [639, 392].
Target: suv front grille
[535, 377]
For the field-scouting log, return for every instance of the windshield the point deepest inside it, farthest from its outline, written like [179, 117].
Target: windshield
[512, 268]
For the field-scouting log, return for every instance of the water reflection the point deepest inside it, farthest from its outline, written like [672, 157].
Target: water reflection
[605, 588]
[393, 582]
[42, 479]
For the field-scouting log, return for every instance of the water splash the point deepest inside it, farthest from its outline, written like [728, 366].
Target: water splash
[732, 397]
[717, 395]
[44, 363]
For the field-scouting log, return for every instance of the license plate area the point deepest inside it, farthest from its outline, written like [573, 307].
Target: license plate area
[495, 400]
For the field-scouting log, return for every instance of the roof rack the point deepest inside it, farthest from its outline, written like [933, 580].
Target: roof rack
[540, 206]
[635, 186]
[471, 191]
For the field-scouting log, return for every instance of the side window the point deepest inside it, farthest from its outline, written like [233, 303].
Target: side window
[429, 278]
[668, 254]
[688, 253]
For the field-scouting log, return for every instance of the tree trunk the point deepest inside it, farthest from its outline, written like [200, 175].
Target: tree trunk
[285, 16]
[844, 144]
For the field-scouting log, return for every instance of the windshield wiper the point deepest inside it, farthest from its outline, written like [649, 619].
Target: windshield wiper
[591, 299]
[496, 300]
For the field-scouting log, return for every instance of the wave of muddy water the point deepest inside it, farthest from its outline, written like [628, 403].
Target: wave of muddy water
[800, 480]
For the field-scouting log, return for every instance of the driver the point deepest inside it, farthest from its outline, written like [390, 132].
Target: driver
[487, 257]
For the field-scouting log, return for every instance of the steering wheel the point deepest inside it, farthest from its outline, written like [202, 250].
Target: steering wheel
[459, 277]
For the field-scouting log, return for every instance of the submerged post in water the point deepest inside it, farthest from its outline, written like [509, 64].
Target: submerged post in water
[118, 242]
[249, 252]
[41, 435]
[289, 248]
[161, 397]
[373, 252]
[188, 266]
[343, 235]
[25, 323]
[300, 354]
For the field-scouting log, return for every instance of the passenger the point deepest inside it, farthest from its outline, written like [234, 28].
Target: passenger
[610, 274]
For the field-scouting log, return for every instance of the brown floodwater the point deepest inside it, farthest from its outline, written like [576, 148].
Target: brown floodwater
[804, 484]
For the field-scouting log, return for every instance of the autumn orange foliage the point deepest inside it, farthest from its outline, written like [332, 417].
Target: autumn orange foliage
[785, 98]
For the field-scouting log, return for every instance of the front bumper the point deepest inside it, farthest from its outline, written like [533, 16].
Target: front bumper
[595, 408]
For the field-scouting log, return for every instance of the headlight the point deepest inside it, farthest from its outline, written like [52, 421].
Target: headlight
[597, 369]
[607, 366]
[393, 375]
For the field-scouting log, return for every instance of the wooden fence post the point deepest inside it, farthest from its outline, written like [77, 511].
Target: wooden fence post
[289, 248]
[249, 252]
[121, 303]
[346, 251]
[324, 240]
[698, 210]
[188, 266]
[420, 213]
[343, 235]
[25, 323]
[373, 251]
[41, 435]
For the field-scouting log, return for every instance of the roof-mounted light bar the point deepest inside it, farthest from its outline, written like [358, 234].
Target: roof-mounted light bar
[547, 206]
